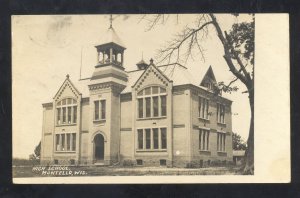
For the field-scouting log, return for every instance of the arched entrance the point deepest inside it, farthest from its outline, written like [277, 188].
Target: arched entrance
[99, 147]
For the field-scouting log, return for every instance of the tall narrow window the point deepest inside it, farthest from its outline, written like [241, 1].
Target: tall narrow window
[155, 138]
[163, 105]
[74, 114]
[140, 105]
[64, 115]
[57, 145]
[68, 141]
[221, 138]
[155, 106]
[148, 107]
[58, 116]
[69, 115]
[103, 108]
[96, 110]
[163, 138]
[203, 140]
[100, 110]
[140, 138]
[148, 138]
[221, 113]
[203, 105]
[63, 142]
[74, 142]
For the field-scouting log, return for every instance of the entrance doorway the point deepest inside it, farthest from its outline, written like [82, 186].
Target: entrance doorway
[99, 147]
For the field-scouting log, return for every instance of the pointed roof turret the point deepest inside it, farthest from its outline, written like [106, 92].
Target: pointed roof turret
[142, 64]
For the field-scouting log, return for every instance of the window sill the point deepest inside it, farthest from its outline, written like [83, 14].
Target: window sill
[65, 151]
[99, 121]
[152, 150]
[63, 125]
[205, 152]
[220, 123]
[206, 119]
[222, 153]
[152, 118]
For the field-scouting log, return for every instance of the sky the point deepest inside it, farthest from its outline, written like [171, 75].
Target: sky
[47, 48]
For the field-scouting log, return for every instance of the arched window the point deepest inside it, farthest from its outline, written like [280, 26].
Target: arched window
[152, 102]
[66, 111]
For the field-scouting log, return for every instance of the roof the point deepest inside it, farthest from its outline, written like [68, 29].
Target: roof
[239, 153]
[111, 37]
[177, 73]
[142, 62]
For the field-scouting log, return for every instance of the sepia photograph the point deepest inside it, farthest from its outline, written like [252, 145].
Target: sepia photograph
[125, 95]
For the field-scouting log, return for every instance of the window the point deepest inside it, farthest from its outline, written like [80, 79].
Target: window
[220, 113]
[140, 139]
[163, 100]
[148, 107]
[65, 142]
[139, 162]
[152, 102]
[163, 138]
[152, 139]
[155, 106]
[103, 107]
[140, 106]
[203, 140]
[155, 138]
[203, 105]
[163, 162]
[148, 139]
[99, 110]
[221, 141]
[66, 111]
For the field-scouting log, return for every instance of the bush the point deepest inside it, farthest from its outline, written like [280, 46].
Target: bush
[127, 163]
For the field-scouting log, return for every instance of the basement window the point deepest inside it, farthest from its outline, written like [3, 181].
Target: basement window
[72, 161]
[139, 162]
[163, 162]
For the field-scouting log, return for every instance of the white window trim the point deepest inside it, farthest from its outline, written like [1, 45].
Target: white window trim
[221, 142]
[206, 139]
[99, 110]
[151, 96]
[218, 113]
[144, 149]
[199, 114]
[65, 142]
[61, 112]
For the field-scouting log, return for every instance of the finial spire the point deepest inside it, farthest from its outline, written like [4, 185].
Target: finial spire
[110, 19]
[142, 55]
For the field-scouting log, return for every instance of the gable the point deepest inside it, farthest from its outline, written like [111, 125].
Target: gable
[151, 76]
[67, 89]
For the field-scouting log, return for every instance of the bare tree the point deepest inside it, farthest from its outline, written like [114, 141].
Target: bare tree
[238, 47]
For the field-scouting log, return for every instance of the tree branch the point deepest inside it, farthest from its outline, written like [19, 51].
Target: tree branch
[227, 56]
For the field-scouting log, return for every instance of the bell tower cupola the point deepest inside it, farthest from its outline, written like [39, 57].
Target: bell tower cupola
[106, 84]
[111, 49]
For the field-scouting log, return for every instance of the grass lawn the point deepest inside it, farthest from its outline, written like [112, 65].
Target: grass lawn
[27, 171]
